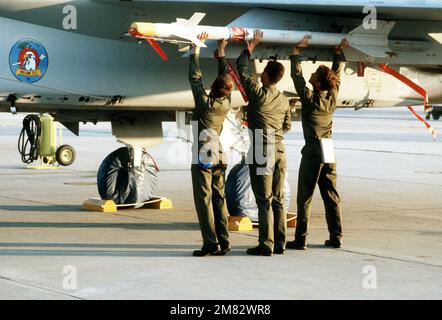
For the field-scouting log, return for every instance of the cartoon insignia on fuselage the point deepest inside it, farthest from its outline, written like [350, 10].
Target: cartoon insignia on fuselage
[28, 60]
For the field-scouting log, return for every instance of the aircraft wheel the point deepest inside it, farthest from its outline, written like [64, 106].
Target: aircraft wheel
[436, 115]
[65, 155]
[428, 116]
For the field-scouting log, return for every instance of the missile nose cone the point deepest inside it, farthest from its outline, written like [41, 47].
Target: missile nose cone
[143, 28]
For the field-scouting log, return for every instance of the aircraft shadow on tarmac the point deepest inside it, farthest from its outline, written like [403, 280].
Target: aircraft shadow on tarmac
[176, 226]
[40, 208]
[103, 250]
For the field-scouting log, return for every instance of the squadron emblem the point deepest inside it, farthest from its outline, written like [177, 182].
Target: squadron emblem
[28, 60]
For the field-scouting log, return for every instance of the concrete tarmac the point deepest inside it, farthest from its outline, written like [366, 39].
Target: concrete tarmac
[389, 177]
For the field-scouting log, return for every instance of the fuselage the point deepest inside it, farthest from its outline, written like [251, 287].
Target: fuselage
[88, 66]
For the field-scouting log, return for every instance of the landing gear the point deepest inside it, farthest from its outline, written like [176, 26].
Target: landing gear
[127, 179]
[128, 176]
[435, 113]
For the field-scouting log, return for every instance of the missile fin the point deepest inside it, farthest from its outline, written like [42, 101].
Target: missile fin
[197, 18]
[186, 55]
[374, 52]
[383, 28]
[197, 42]
[190, 38]
[183, 47]
[193, 21]
[381, 32]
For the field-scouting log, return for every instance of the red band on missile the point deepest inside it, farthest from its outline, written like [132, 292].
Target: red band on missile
[408, 83]
[429, 127]
[134, 33]
[237, 34]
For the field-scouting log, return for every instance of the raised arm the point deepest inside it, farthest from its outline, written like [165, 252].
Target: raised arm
[222, 61]
[196, 79]
[304, 93]
[221, 55]
[251, 85]
[338, 61]
[196, 76]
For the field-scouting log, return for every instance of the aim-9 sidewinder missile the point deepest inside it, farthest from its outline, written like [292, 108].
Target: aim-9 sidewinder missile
[373, 42]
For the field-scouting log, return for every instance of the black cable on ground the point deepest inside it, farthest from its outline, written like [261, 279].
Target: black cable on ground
[29, 140]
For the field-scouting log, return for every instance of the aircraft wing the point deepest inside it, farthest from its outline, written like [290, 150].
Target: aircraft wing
[387, 9]
[110, 19]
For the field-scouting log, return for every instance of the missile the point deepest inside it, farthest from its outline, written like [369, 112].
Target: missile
[372, 42]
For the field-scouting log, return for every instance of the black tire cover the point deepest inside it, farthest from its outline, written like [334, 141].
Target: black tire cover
[119, 182]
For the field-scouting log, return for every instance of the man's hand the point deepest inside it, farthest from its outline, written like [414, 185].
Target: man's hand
[301, 45]
[221, 47]
[202, 37]
[343, 45]
[257, 39]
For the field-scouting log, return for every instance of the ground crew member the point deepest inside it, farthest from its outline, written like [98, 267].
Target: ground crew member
[317, 112]
[208, 169]
[268, 115]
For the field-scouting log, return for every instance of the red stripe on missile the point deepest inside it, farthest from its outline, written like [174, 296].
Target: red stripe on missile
[237, 34]
[134, 33]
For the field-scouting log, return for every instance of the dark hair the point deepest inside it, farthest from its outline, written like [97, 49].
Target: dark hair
[326, 78]
[222, 86]
[275, 71]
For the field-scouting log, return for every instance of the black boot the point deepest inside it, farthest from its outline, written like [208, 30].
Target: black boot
[258, 251]
[225, 248]
[333, 243]
[296, 244]
[206, 251]
[279, 251]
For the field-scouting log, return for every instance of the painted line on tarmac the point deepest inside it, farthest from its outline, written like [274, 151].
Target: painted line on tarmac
[287, 144]
[391, 258]
[30, 201]
[392, 152]
[31, 286]
[395, 181]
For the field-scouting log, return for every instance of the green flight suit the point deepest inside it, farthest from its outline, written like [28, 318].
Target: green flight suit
[317, 122]
[269, 117]
[208, 184]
